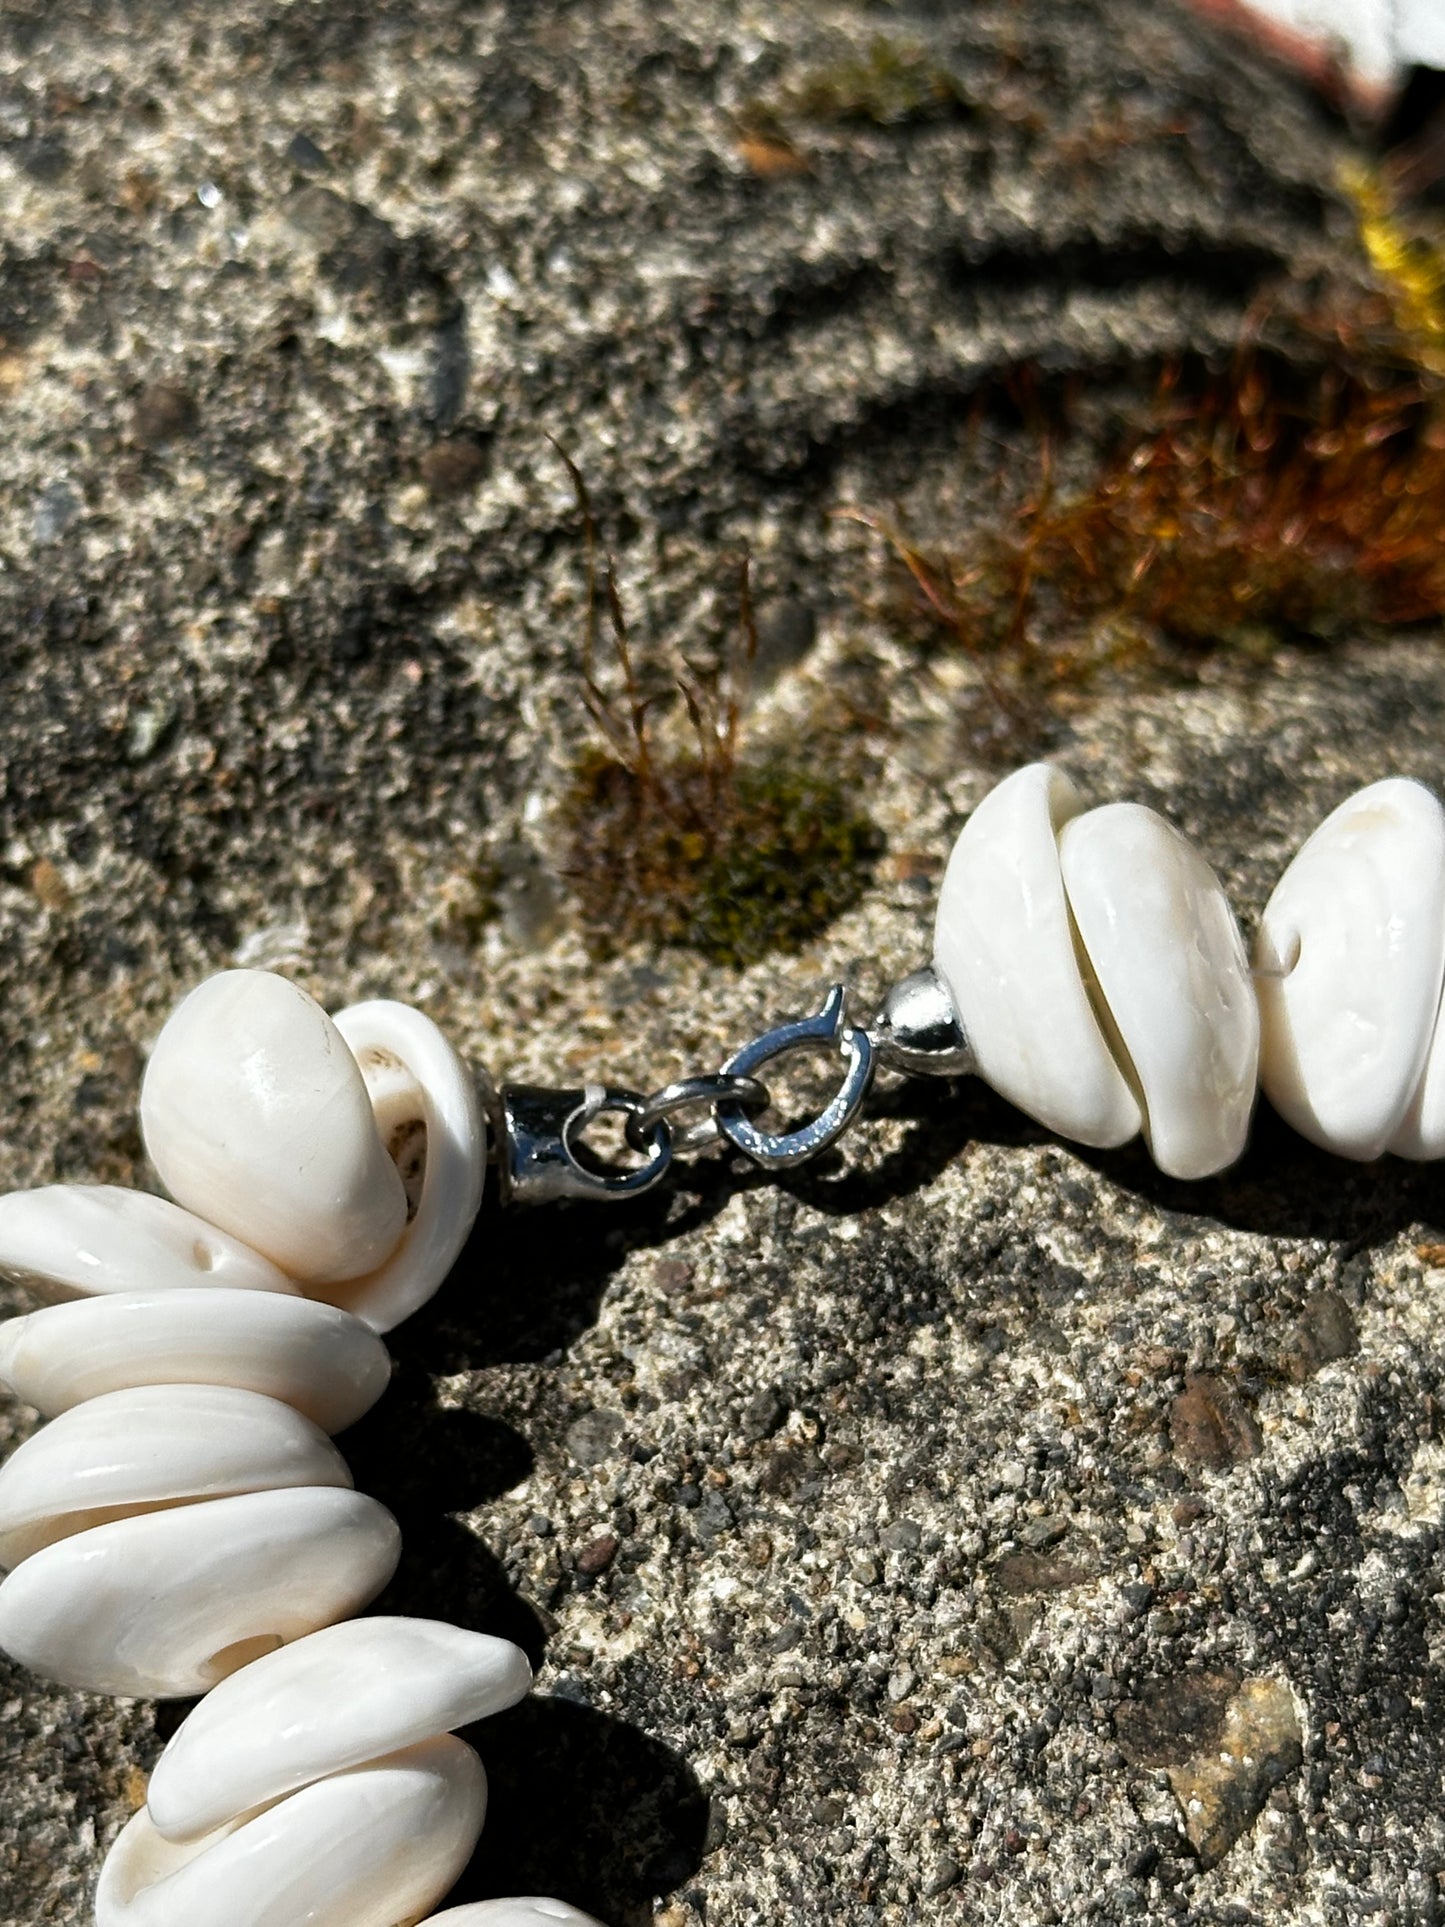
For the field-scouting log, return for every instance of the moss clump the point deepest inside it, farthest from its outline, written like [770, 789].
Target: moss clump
[1285, 496]
[893, 85]
[737, 870]
[1299, 491]
[690, 842]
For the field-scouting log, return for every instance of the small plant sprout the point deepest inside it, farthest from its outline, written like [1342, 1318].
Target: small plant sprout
[693, 835]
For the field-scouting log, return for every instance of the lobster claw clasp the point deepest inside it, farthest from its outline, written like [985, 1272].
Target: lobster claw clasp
[829, 1030]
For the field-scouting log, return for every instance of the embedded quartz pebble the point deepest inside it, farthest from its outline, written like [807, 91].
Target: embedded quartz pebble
[530, 1912]
[74, 1240]
[169, 1603]
[129, 1451]
[370, 1847]
[1350, 960]
[257, 1118]
[322, 1362]
[1171, 970]
[331, 1701]
[1004, 945]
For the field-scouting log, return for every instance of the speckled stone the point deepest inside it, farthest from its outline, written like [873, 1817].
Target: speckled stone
[843, 1619]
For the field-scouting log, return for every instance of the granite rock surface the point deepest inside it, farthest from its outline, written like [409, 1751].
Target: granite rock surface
[966, 1528]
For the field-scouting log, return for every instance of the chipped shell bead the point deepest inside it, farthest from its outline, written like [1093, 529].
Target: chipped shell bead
[340, 1697]
[168, 1603]
[256, 1117]
[419, 1088]
[1004, 946]
[320, 1361]
[149, 1445]
[73, 1240]
[1349, 962]
[1171, 970]
[371, 1847]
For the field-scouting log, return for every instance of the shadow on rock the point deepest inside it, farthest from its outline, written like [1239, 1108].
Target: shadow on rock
[1282, 1187]
[424, 1462]
[530, 1281]
[1285, 1187]
[943, 1116]
[408, 1450]
[447, 1573]
[584, 1808]
[635, 1817]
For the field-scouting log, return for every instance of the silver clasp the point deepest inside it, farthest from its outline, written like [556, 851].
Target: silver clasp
[829, 1030]
[539, 1131]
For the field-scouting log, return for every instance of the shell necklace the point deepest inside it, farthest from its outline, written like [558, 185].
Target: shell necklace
[184, 1525]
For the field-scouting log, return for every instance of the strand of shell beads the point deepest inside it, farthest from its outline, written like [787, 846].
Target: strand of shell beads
[184, 1523]
[1097, 970]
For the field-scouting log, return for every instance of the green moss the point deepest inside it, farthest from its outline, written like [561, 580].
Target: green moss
[894, 84]
[738, 867]
[693, 842]
[798, 854]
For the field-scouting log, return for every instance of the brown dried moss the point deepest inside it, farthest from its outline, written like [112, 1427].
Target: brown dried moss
[1299, 491]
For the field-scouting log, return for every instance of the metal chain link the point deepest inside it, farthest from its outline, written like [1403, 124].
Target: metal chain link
[749, 1094]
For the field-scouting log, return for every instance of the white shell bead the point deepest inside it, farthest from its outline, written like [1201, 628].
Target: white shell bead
[1004, 945]
[1422, 1129]
[256, 1117]
[331, 1701]
[169, 1603]
[72, 1240]
[1350, 957]
[533, 1911]
[1171, 970]
[183, 1516]
[324, 1363]
[372, 1847]
[412, 1072]
[151, 1445]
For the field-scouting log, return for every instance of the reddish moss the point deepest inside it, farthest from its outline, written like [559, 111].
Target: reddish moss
[1299, 490]
[1271, 498]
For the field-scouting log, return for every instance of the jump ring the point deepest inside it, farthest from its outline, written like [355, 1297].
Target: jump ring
[657, 1144]
[746, 1093]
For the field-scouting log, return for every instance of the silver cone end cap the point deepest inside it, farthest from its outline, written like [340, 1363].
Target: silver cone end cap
[917, 1028]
